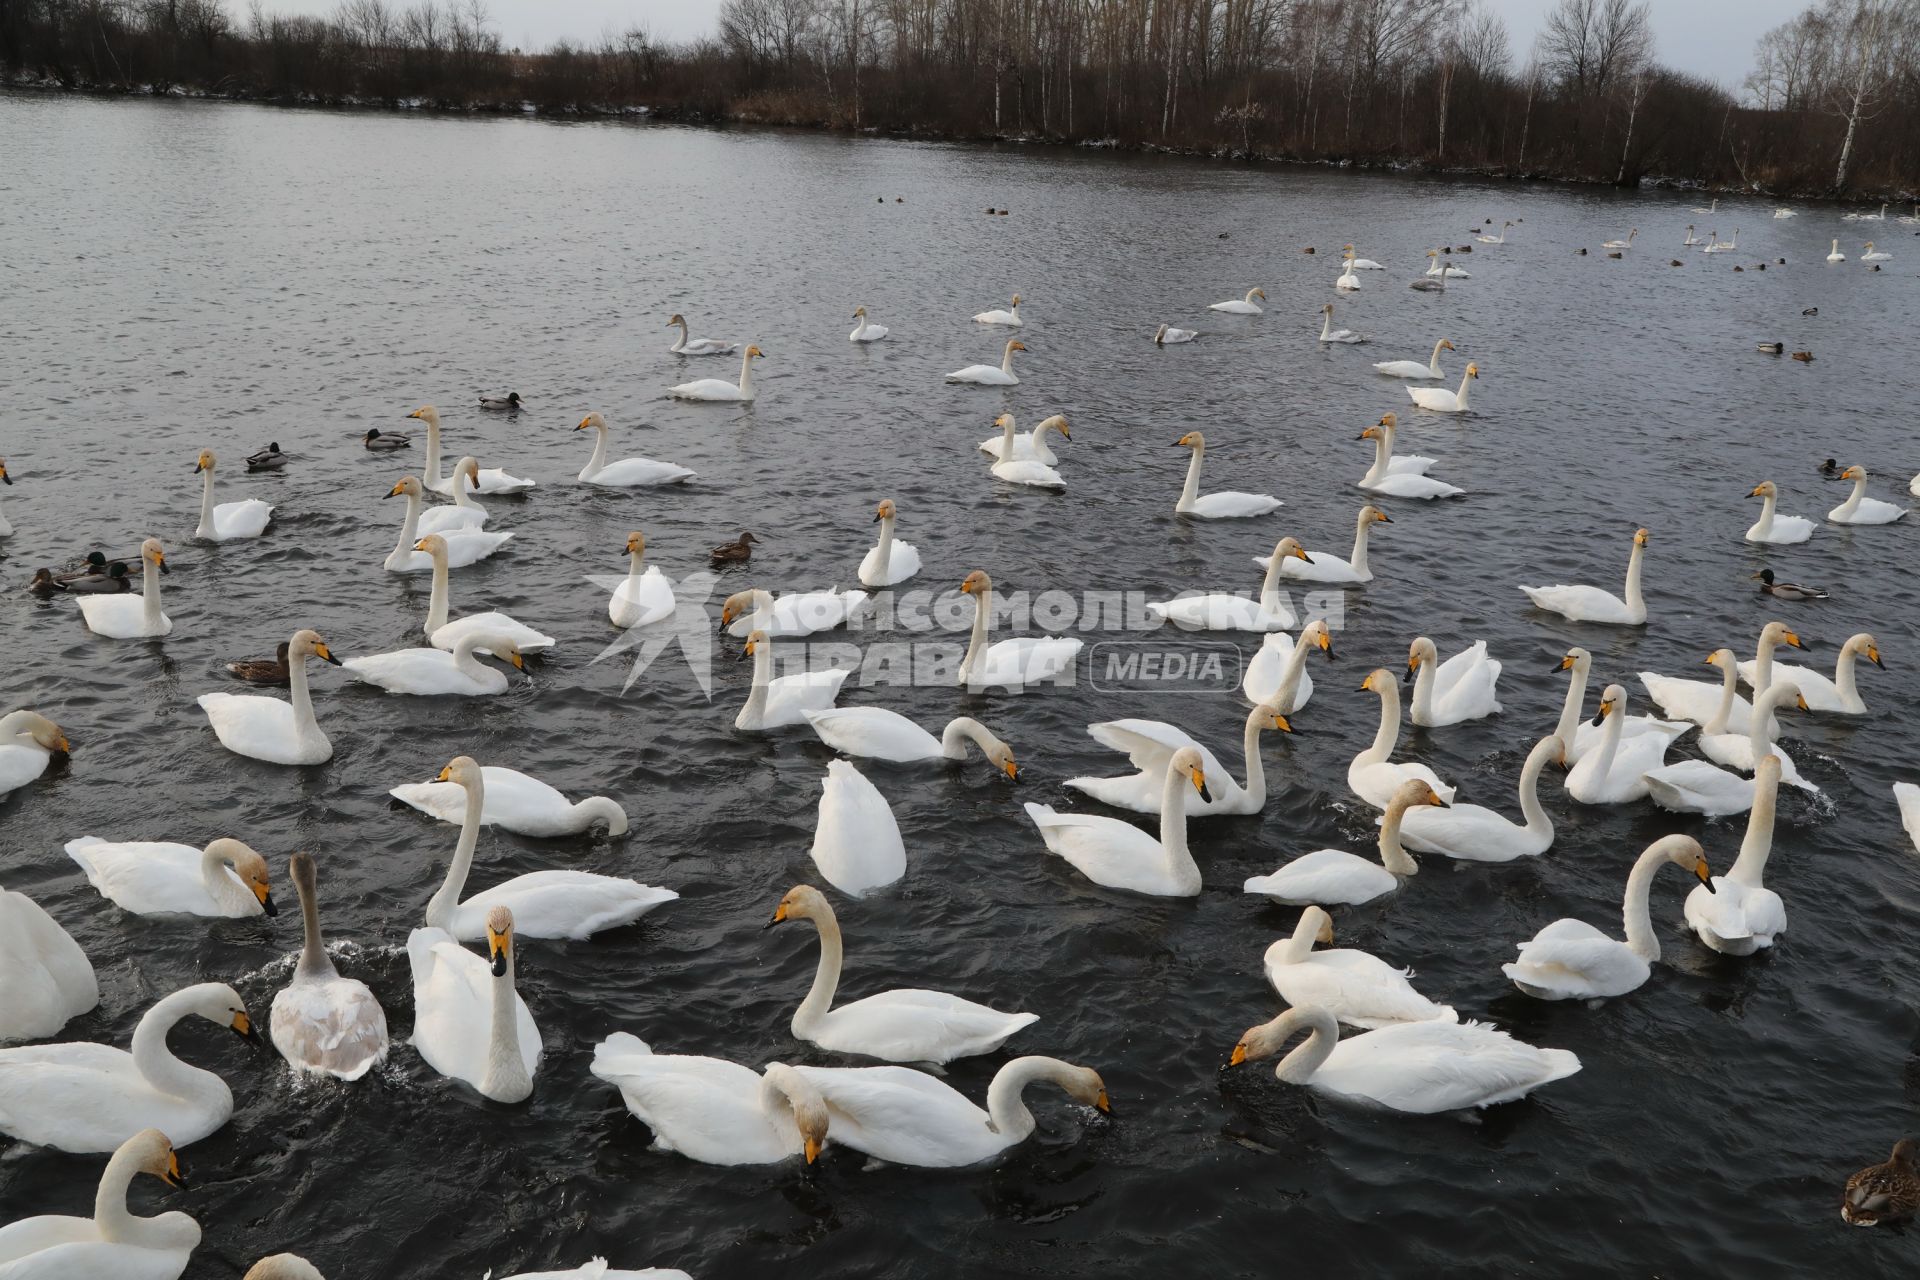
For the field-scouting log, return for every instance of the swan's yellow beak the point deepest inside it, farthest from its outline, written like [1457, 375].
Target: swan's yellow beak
[1793, 639]
[1239, 1054]
[1281, 723]
[61, 745]
[174, 1175]
[420, 545]
[749, 649]
[1800, 700]
[812, 1149]
[1101, 1104]
[399, 488]
[1566, 663]
[779, 914]
[242, 1024]
[324, 653]
[1706, 877]
[1010, 768]
[445, 775]
[497, 947]
[1299, 553]
[519, 662]
[1200, 783]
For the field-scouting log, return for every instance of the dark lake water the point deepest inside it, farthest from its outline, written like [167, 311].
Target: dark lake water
[180, 276]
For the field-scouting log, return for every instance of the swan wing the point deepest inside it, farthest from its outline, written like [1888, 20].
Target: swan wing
[449, 519]
[1397, 485]
[1695, 700]
[120, 617]
[1026, 660]
[560, 904]
[1229, 505]
[1429, 1067]
[1268, 667]
[1359, 989]
[789, 698]
[707, 1109]
[332, 1025]
[1580, 603]
[1376, 782]
[247, 519]
[856, 841]
[48, 977]
[903, 1116]
[449, 635]
[1735, 912]
[1326, 877]
[650, 601]
[148, 877]
[912, 1025]
[1694, 786]
[1222, 612]
[1471, 833]
[20, 765]
[1113, 853]
[84, 1259]
[1821, 693]
[874, 733]
[1570, 959]
[902, 563]
[424, 672]
[453, 1007]
[260, 728]
[635, 472]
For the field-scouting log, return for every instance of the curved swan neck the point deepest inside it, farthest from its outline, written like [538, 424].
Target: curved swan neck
[1569, 724]
[1762, 726]
[1358, 560]
[220, 886]
[746, 374]
[960, 731]
[1191, 490]
[1610, 742]
[599, 458]
[1751, 864]
[1173, 826]
[440, 907]
[636, 559]
[1324, 1032]
[1006, 439]
[1634, 599]
[602, 809]
[150, 593]
[465, 658]
[156, 1062]
[1007, 1112]
[1423, 681]
[1299, 944]
[206, 529]
[409, 531]
[1729, 677]
[1845, 679]
[118, 1226]
[685, 335]
[1388, 733]
[1270, 580]
[437, 602]
[1382, 462]
[1433, 364]
[1290, 674]
[1466, 380]
[1326, 325]
[1256, 787]
[506, 1077]
[1641, 939]
[826, 977]
[1393, 854]
[1538, 823]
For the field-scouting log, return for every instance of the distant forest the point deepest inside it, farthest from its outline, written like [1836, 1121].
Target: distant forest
[1832, 105]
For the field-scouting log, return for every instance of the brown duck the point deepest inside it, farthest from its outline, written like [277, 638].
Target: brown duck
[1887, 1193]
[739, 551]
[272, 670]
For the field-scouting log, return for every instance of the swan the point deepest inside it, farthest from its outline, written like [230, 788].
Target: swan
[1009, 664]
[82, 1097]
[1474, 833]
[1461, 688]
[1009, 318]
[1834, 254]
[686, 345]
[1421, 1068]
[1910, 218]
[49, 979]
[113, 1244]
[1784, 212]
[907, 1117]
[1773, 528]
[463, 513]
[1334, 877]
[321, 1022]
[1739, 915]
[1888, 1192]
[442, 634]
[1865, 217]
[1580, 736]
[1013, 468]
[1859, 508]
[906, 1024]
[641, 597]
[131, 617]
[1692, 239]
[712, 1110]
[283, 1266]
[1225, 505]
[1120, 855]
[1383, 433]
[1441, 400]
[435, 672]
[1413, 368]
[1841, 694]
[1359, 989]
[465, 546]
[627, 473]
[1166, 334]
[856, 839]
[1615, 771]
[230, 520]
[545, 904]
[597, 1269]
[6, 525]
[1621, 244]
[988, 375]
[28, 743]
[1370, 775]
[151, 878]
[491, 480]
[866, 330]
[469, 1021]
[889, 561]
[720, 388]
[1694, 786]
[1430, 281]
[874, 733]
[1032, 445]
[1591, 604]
[1907, 796]
[1277, 673]
[1243, 306]
[1706, 702]
[1874, 255]
[268, 729]
[1711, 207]
[1501, 238]
[1445, 270]
[521, 804]
[1330, 334]
[1572, 960]
[1349, 281]
[1150, 745]
[1362, 264]
[798, 613]
[1724, 246]
[774, 703]
[1400, 477]
[1223, 611]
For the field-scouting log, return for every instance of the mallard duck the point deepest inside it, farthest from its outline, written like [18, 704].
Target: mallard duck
[1773, 349]
[739, 551]
[1887, 1193]
[509, 401]
[1810, 311]
[1831, 467]
[268, 459]
[385, 441]
[272, 670]
[1804, 357]
[95, 562]
[110, 581]
[44, 583]
[1787, 590]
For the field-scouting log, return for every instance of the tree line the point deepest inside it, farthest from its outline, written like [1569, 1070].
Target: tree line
[1832, 104]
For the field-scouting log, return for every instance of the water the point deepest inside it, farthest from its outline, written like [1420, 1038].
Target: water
[181, 276]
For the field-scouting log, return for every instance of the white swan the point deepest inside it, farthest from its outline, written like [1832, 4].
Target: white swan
[1907, 796]
[1712, 207]
[1362, 264]
[149, 878]
[545, 904]
[1334, 877]
[1277, 673]
[268, 729]
[990, 375]
[1692, 239]
[1225, 505]
[283, 1266]
[712, 1110]
[720, 389]
[435, 672]
[1330, 334]
[1591, 604]
[890, 561]
[321, 1022]
[874, 733]
[229, 520]
[774, 703]
[1474, 833]
[1615, 771]
[1359, 989]
[1834, 254]
[1009, 664]
[127, 616]
[1149, 746]
[1243, 306]
[866, 330]
[906, 1024]
[1383, 434]
[798, 613]
[1706, 702]
[1580, 736]
[1032, 444]
[463, 513]
[113, 1244]
[1739, 915]
[1167, 334]
[627, 473]
[1621, 244]
[517, 802]
[597, 1269]
[1372, 776]
[1840, 694]
[1418, 1067]
[1010, 318]
[1694, 786]
[1030, 470]
[1875, 255]
[1772, 527]
[28, 743]
[1120, 855]
[687, 345]
[1859, 508]
[49, 979]
[1724, 246]
[856, 840]
[465, 546]
[442, 634]
[1439, 399]
[1499, 239]
[1400, 477]
[1432, 280]
[1445, 270]
[1461, 688]
[640, 598]
[1572, 960]
[1743, 750]
[469, 1021]
[1784, 212]
[491, 480]
[1865, 217]
[1413, 368]
[1224, 611]
[907, 1117]
[84, 1097]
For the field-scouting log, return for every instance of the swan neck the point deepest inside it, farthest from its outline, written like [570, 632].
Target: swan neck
[304, 725]
[221, 886]
[1326, 325]
[1173, 827]
[409, 531]
[1299, 1066]
[1191, 490]
[1382, 460]
[746, 374]
[1423, 681]
[1006, 1103]
[960, 731]
[431, 463]
[1635, 600]
[1256, 787]
[156, 1062]
[1006, 361]
[1635, 915]
[1751, 864]
[826, 978]
[1610, 742]
[599, 458]
[150, 593]
[977, 642]
[1433, 365]
[313, 950]
[1466, 380]
[437, 603]
[1358, 560]
[1299, 944]
[1393, 854]
[602, 809]
[1538, 823]
[762, 678]
[111, 1218]
[1289, 689]
[506, 1077]
[206, 529]
[1569, 725]
[884, 551]
[441, 906]
[1388, 733]
[1845, 678]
